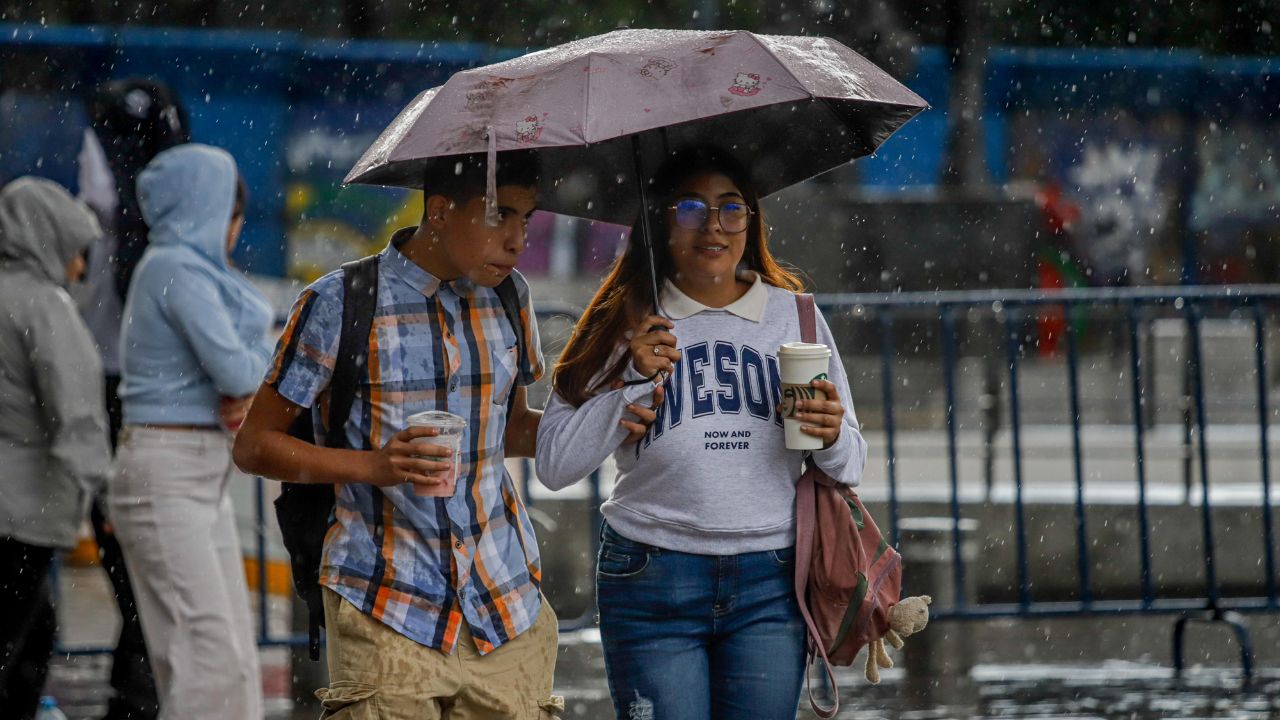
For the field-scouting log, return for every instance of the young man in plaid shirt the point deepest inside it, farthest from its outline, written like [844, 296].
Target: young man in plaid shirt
[432, 605]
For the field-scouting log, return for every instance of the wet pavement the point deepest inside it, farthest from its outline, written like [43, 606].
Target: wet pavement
[1112, 690]
[1043, 686]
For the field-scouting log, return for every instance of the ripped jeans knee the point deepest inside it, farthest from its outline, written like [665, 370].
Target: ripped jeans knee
[640, 708]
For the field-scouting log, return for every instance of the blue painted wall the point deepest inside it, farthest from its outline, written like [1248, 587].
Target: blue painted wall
[296, 113]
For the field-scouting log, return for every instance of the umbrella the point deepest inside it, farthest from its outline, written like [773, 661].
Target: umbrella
[603, 109]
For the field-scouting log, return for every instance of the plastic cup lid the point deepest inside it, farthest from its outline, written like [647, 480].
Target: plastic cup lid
[804, 350]
[438, 419]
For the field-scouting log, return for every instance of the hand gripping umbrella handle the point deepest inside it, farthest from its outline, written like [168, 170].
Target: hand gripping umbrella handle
[646, 238]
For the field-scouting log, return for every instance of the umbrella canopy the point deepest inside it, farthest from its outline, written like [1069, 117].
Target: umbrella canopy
[597, 109]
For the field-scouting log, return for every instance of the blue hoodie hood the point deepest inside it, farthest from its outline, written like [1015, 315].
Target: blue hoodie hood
[194, 329]
[186, 195]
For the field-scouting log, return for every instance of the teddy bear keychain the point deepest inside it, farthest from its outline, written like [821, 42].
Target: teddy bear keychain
[907, 618]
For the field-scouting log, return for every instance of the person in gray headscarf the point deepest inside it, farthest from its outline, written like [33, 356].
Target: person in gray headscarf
[53, 428]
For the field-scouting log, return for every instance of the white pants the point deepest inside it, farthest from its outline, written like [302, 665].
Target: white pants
[168, 502]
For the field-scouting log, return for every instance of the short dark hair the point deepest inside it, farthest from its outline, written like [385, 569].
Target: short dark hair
[462, 177]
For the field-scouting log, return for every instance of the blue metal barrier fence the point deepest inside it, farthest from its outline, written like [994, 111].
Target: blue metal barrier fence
[1138, 307]
[1010, 311]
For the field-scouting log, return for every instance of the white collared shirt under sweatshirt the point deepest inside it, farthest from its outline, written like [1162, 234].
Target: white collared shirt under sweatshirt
[712, 475]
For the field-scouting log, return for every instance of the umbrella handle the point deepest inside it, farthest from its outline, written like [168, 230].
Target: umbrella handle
[657, 379]
[646, 232]
[646, 237]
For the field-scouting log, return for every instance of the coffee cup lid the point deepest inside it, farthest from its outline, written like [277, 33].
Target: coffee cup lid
[804, 350]
[438, 419]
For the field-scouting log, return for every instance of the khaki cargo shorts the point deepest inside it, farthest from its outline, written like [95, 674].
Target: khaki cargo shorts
[375, 673]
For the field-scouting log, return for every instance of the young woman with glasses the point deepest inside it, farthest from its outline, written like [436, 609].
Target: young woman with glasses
[694, 577]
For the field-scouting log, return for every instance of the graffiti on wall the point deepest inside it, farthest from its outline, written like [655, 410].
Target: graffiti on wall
[1235, 208]
[1122, 204]
[1238, 184]
[328, 224]
[1115, 181]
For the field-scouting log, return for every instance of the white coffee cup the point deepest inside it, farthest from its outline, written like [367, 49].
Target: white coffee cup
[800, 364]
[450, 429]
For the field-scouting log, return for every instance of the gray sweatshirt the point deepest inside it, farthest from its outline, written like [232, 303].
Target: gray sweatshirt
[53, 426]
[712, 475]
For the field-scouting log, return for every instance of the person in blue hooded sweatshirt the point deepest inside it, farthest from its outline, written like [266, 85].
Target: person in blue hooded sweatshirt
[193, 347]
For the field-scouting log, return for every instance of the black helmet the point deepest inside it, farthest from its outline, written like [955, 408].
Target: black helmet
[135, 119]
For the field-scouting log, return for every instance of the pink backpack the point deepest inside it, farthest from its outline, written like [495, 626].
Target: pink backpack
[847, 575]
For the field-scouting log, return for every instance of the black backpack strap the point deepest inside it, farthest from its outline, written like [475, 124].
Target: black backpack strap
[315, 621]
[510, 299]
[359, 301]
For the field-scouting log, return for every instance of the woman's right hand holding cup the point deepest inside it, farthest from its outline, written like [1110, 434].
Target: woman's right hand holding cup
[653, 347]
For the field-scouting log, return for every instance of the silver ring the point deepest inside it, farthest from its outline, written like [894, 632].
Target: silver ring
[656, 351]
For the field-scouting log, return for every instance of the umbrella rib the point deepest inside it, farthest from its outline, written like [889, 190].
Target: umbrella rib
[586, 100]
[826, 103]
[769, 51]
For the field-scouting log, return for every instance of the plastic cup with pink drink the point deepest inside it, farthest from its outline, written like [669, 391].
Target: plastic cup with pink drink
[449, 428]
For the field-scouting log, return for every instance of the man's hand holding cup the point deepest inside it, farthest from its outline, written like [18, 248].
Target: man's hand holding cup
[409, 456]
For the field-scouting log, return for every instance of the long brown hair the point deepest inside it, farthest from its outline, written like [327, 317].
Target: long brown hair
[626, 296]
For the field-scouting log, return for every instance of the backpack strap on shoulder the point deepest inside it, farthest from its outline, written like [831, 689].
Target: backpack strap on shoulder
[359, 301]
[509, 296]
[806, 529]
[808, 318]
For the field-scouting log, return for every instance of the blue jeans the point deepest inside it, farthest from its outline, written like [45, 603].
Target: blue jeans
[698, 637]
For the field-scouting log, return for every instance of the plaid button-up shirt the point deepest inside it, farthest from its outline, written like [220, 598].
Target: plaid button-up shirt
[424, 565]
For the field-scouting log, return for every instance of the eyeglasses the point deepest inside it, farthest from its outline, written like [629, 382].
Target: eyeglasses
[734, 217]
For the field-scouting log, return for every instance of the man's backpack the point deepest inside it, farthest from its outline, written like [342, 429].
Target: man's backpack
[847, 575]
[305, 511]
